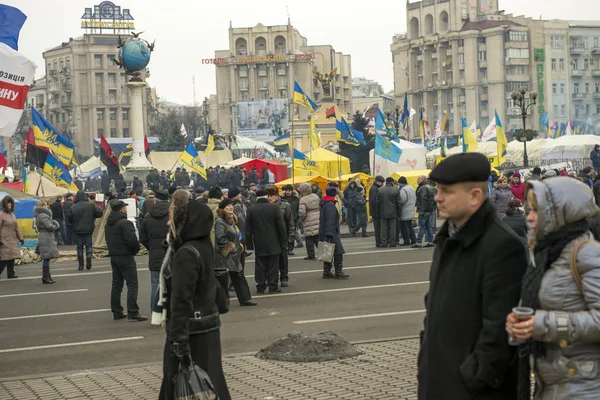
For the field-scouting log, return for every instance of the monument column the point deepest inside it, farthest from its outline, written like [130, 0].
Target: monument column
[139, 164]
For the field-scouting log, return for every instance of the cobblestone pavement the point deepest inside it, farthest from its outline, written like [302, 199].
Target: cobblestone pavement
[385, 370]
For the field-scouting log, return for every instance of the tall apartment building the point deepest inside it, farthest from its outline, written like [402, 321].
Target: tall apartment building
[263, 62]
[87, 92]
[366, 92]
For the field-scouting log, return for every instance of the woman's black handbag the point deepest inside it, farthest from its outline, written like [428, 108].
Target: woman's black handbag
[192, 383]
[222, 277]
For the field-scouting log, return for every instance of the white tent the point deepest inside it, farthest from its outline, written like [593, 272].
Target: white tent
[569, 147]
[534, 150]
[413, 158]
[47, 188]
[244, 143]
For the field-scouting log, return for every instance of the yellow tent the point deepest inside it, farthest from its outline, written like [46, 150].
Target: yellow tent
[322, 181]
[365, 179]
[332, 164]
[411, 176]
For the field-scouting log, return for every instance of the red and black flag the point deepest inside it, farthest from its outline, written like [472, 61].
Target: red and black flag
[330, 112]
[108, 158]
[34, 155]
[146, 146]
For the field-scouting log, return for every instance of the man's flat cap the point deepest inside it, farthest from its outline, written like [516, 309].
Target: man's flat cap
[463, 167]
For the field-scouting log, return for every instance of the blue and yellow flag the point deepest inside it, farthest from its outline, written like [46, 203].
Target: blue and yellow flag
[501, 141]
[282, 140]
[55, 171]
[385, 127]
[443, 147]
[313, 135]
[302, 163]
[191, 159]
[384, 148]
[345, 133]
[210, 142]
[469, 143]
[47, 136]
[405, 112]
[302, 99]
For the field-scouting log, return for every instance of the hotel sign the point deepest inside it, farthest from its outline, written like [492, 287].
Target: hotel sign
[257, 59]
[107, 15]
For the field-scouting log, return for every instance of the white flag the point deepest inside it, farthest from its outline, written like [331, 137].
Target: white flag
[183, 131]
[490, 132]
[569, 131]
[16, 75]
[474, 129]
[437, 133]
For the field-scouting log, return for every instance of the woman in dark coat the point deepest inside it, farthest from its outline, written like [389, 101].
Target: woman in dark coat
[47, 246]
[515, 218]
[191, 296]
[10, 236]
[329, 231]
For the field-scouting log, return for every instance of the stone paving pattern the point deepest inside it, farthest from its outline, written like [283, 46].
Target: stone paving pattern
[384, 371]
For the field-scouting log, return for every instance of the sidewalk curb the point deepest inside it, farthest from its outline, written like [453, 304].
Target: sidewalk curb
[155, 363]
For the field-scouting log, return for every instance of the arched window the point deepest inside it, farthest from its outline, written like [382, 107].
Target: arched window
[429, 24]
[414, 28]
[443, 21]
[241, 47]
[261, 46]
[280, 45]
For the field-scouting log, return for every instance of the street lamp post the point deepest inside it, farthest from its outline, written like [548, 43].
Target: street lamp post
[519, 101]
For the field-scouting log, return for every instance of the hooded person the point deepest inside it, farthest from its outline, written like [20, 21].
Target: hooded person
[47, 243]
[123, 246]
[83, 216]
[329, 231]
[191, 298]
[153, 233]
[517, 187]
[309, 211]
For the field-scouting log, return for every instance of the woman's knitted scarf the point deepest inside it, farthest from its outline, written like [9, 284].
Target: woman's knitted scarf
[159, 311]
[546, 252]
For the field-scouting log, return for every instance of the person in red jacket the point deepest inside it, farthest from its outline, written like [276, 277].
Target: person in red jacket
[517, 187]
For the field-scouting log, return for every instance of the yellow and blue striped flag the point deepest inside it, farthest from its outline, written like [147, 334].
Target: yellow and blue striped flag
[191, 159]
[302, 99]
[303, 163]
[210, 142]
[282, 140]
[57, 173]
[501, 141]
[469, 143]
[47, 136]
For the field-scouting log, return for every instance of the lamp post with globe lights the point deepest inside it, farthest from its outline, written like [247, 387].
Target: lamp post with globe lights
[518, 99]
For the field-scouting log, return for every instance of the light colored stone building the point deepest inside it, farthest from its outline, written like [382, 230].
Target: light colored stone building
[366, 92]
[87, 92]
[263, 62]
[37, 96]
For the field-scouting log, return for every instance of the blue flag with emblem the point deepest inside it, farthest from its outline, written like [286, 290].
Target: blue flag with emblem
[384, 148]
[55, 171]
[385, 127]
[47, 136]
[302, 99]
[191, 159]
[346, 134]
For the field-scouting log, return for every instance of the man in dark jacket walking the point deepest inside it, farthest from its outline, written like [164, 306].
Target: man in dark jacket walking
[105, 182]
[236, 177]
[379, 181]
[464, 350]
[59, 216]
[595, 157]
[426, 210]
[153, 180]
[82, 216]
[388, 207]
[267, 236]
[153, 233]
[137, 186]
[69, 240]
[123, 245]
[329, 231]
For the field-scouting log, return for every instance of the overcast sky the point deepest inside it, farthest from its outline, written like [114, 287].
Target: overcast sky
[186, 31]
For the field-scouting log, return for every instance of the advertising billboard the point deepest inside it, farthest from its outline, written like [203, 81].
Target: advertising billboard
[257, 119]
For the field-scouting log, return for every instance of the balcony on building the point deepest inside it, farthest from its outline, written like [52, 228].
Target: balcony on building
[53, 72]
[53, 105]
[597, 95]
[66, 71]
[483, 97]
[596, 71]
[518, 78]
[577, 49]
[577, 72]
[578, 96]
[66, 104]
[483, 64]
[517, 61]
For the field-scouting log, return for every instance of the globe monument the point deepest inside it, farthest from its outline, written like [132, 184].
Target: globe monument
[134, 57]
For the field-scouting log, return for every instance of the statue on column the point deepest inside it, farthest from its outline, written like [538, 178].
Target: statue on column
[326, 81]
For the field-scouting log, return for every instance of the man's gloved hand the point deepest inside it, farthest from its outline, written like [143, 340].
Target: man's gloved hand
[22, 242]
[329, 239]
[181, 348]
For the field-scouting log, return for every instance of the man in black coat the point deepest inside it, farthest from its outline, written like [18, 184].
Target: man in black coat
[68, 203]
[595, 157]
[464, 347]
[104, 182]
[388, 207]
[426, 209]
[82, 217]
[153, 233]
[252, 177]
[137, 186]
[177, 177]
[236, 177]
[267, 236]
[379, 181]
[153, 180]
[123, 245]
[164, 180]
[185, 179]
[59, 216]
[290, 197]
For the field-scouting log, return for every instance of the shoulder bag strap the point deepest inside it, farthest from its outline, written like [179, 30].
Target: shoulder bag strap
[574, 271]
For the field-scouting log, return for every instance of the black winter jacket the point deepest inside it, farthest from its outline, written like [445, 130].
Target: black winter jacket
[137, 186]
[595, 157]
[425, 198]
[104, 183]
[185, 179]
[211, 178]
[473, 359]
[153, 181]
[83, 214]
[57, 211]
[294, 202]
[236, 177]
[349, 195]
[67, 210]
[329, 224]
[120, 236]
[265, 230]
[373, 201]
[516, 221]
[153, 233]
[252, 178]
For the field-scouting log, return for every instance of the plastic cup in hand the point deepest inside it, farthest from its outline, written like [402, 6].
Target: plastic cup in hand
[522, 314]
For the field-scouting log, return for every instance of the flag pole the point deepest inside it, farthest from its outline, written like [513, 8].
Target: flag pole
[292, 147]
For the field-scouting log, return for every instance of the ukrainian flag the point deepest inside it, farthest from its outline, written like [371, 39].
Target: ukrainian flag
[210, 142]
[302, 163]
[57, 173]
[443, 147]
[346, 134]
[469, 143]
[302, 99]
[191, 159]
[26, 221]
[282, 140]
[501, 141]
[47, 136]
[315, 141]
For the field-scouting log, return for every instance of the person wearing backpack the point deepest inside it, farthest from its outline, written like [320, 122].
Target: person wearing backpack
[561, 286]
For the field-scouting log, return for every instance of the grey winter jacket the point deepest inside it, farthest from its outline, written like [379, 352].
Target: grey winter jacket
[408, 202]
[309, 211]
[46, 227]
[568, 319]
[224, 232]
[500, 199]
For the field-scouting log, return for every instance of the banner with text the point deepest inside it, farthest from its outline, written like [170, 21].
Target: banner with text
[258, 119]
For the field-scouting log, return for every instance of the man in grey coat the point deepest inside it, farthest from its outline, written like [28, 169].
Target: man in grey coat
[388, 206]
[408, 201]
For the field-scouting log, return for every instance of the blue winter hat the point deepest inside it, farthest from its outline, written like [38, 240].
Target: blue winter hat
[331, 191]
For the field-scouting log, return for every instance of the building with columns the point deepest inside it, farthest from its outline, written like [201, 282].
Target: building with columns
[87, 93]
[263, 62]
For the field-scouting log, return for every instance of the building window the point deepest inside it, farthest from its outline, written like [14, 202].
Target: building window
[515, 86]
[554, 88]
[99, 98]
[517, 53]
[113, 132]
[563, 110]
[586, 64]
[283, 94]
[124, 99]
[461, 58]
[99, 79]
[579, 43]
[125, 114]
[243, 71]
[516, 36]
[554, 64]
[112, 81]
[243, 83]
[575, 88]
[264, 95]
[562, 88]
[281, 69]
[125, 132]
[483, 72]
[282, 82]
[587, 87]
[597, 108]
[597, 89]
[482, 55]
[596, 42]
[100, 132]
[557, 42]
[587, 109]
[461, 42]
[243, 95]
[262, 69]
[98, 61]
[561, 64]
[100, 114]
[112, 97]
[123, 79]
[113, 114]
[263, 83]
[555, 109]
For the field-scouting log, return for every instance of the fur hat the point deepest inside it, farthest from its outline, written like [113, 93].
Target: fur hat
[224, 204]
[331, 191]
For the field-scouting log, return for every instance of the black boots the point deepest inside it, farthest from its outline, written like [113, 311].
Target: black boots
[46, 277]
[88, 263]
[339, 274]
[80, 261]
[327, 271]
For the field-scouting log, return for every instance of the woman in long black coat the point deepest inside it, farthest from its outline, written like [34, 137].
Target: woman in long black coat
[329, 231]
[191, 296]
